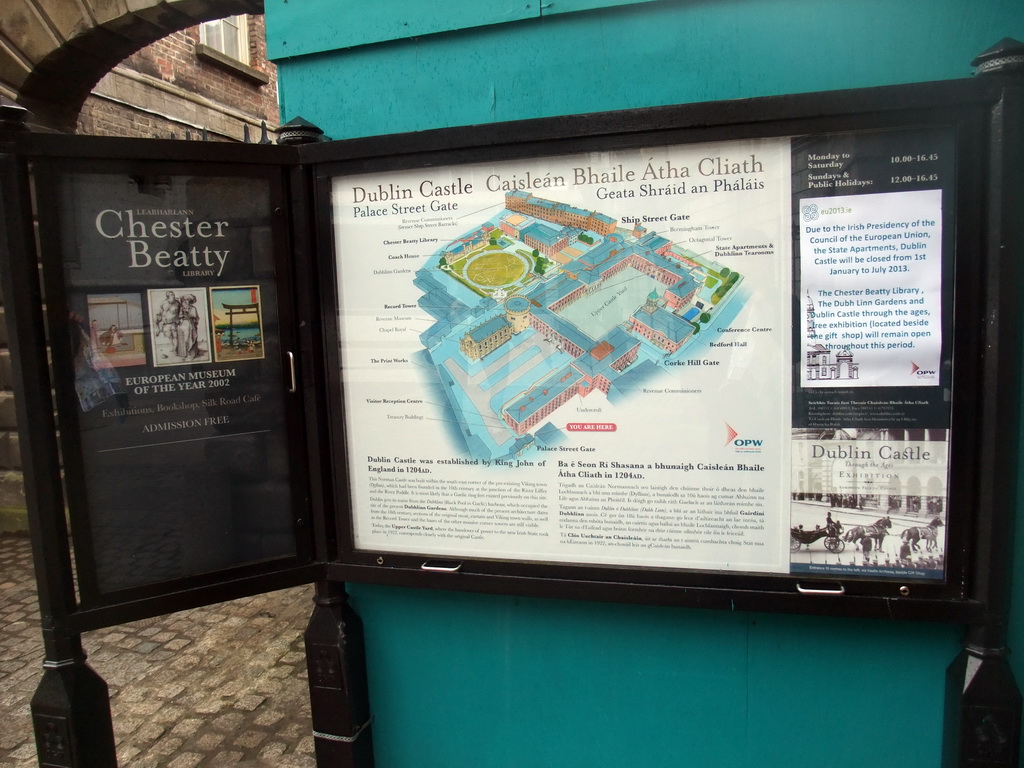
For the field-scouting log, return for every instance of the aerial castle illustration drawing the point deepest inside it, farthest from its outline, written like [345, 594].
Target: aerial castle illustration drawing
[545, 302]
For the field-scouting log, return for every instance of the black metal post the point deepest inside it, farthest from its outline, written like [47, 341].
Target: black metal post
[335, 650]
[297, 131]
[71, 711]
[338, 690]
[983, 711]
[983, 701]
[71, 707]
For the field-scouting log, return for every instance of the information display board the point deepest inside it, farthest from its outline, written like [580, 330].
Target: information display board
[703, 356]
[170, 371]
[759, 356]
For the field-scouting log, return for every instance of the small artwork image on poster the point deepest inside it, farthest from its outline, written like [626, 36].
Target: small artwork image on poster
[179, 326]
[117, 328]
[237, 323]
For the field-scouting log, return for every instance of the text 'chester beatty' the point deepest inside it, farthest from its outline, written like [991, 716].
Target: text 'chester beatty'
[123, 225]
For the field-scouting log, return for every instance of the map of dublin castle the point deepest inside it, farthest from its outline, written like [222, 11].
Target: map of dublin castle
[545, 302]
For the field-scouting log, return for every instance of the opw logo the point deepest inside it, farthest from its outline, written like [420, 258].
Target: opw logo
[741, 444]
[918, 372]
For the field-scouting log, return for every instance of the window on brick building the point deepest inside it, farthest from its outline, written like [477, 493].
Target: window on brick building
[229, 36]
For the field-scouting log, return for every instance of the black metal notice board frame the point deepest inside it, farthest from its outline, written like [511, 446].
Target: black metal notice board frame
[976, 360]
[357, 177]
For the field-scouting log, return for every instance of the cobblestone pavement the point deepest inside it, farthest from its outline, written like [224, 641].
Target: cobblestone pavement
[220, 686]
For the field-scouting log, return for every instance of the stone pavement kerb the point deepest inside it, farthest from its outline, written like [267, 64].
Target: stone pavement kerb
[219, 686]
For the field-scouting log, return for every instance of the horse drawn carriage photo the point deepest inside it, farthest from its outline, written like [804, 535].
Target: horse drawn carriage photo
[901, 543]
[798, 537]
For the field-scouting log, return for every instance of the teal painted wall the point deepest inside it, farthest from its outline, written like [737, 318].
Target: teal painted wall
[471, 681]
[631, 56]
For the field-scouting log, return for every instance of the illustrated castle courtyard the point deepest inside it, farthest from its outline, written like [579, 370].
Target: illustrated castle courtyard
[573, 277]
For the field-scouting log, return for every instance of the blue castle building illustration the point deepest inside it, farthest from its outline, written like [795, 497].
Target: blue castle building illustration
[546, 302]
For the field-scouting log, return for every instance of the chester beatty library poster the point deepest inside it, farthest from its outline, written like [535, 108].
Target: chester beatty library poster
[724, 356]
[175, 379]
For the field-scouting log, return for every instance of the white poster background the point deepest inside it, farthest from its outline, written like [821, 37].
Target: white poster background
[871, 275]
[685, 466]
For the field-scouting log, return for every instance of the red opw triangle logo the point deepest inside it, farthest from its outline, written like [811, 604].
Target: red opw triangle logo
[914, 367]
[731, 434]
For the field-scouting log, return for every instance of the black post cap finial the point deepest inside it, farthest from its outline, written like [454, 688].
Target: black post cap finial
[1005, 56]
[13, 116]
[298, 131]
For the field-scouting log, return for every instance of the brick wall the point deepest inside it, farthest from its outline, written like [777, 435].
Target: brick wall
[176, 86]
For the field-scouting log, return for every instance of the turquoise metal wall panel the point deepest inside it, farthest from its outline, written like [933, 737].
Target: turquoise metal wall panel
[462, 681]
[552, 7]
[469, 681]
[549, 683]
[642, 55]
[817, 688]
[304, 28]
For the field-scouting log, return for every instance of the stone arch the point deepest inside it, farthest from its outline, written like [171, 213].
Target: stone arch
[53, 52]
